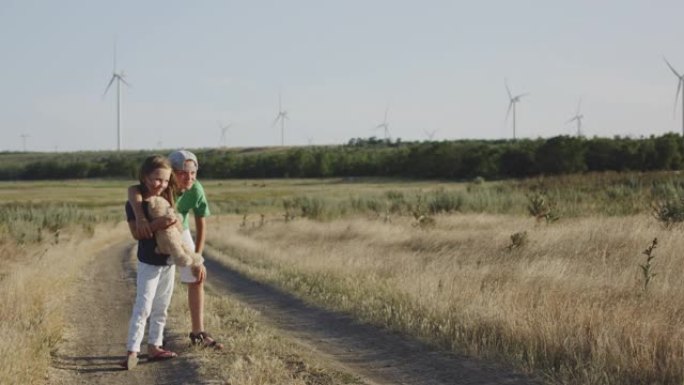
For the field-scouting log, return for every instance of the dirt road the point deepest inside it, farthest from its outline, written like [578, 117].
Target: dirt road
[373, 354]
[100, 306]
[97, 325]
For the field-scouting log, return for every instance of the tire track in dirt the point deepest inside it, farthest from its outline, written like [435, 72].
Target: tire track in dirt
[98, 312]
[374, 354]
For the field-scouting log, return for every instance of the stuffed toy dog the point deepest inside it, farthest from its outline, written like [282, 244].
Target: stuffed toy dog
[169, 240]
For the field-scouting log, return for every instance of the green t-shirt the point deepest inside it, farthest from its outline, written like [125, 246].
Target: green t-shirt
[193, 200]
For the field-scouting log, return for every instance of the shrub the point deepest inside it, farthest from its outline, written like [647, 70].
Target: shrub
[669, 212]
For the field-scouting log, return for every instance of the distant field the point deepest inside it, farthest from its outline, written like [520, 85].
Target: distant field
[570, 196]
[437, 259]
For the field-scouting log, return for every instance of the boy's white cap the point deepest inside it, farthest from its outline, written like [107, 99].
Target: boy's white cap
[178, 159]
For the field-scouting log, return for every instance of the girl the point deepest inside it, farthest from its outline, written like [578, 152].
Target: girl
[191, 197]
[155, 276]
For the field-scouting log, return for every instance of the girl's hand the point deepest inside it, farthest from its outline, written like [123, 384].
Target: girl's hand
[142, 227]
[164, 222]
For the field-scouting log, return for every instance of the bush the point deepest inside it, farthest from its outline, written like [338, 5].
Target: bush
[669, 212]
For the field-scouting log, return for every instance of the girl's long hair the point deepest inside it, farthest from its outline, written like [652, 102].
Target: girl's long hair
[152, 163]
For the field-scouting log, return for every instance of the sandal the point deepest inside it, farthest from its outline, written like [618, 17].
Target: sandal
[204, 339]
[130, 362]
[162, 355]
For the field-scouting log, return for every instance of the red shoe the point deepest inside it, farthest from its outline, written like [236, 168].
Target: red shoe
[162, 355]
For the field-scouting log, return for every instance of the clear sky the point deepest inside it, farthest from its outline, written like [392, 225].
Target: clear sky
[439, 66]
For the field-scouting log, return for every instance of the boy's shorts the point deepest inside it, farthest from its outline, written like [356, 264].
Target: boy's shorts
[185, 271]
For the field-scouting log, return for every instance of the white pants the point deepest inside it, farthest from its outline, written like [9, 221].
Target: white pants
[185, 271]
[155, 286]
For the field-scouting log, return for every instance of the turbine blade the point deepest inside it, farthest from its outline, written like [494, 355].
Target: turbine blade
[679, 88]
[114, 63]
[508, 112]
[275, 120]
[124, 81]
[109, 85]
[672, 68]
[508, 90]
[579, 103]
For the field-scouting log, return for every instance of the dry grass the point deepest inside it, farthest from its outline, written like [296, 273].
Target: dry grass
[569, 303]
[33, 295]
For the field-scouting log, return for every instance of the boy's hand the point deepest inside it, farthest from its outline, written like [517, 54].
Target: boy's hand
[199, 272]
[142, 227]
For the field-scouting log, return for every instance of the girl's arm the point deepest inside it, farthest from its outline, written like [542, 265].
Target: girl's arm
[142, 226]
[156, 224]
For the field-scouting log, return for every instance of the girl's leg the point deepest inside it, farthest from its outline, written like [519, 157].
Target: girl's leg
[147, 281]
[160, 305]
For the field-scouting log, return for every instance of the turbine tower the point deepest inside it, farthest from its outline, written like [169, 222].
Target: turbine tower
[224, 130]
[680, 80]
[513, 100]
[282, 116]
[119, 78]
[23, 140]
[384, 125]
[578, 117]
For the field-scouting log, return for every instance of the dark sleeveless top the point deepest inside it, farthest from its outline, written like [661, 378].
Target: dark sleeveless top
[146, 247]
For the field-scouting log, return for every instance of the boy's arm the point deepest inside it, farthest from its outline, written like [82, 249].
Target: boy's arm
[142, 226]
[200, 272]
[200, 233]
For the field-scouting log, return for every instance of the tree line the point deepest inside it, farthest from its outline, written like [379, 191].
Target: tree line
[372, 157]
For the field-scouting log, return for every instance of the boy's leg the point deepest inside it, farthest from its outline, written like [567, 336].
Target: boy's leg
[160, 306]
[195, 290]
[196, 304]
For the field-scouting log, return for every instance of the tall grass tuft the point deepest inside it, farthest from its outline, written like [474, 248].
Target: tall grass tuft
[31, 223]
[442, 201]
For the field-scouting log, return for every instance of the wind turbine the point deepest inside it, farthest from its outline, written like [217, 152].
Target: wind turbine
[224, 130]
[119, 78]
[282, 116]
[513, 100]
[578, 117]
[680, 80]
[23, 140]
[384, 125]
[430, 134]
